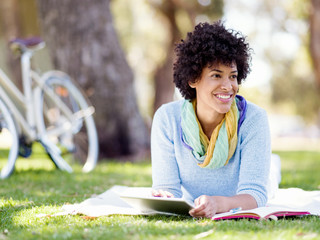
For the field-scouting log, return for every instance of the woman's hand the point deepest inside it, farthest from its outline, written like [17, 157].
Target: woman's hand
[208, 206]
[162, 193]
[205, 206]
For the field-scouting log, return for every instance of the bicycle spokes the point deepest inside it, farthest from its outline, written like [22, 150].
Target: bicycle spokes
[68, 122]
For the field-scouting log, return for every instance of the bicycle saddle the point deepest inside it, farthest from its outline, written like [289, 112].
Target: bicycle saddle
[26, 43]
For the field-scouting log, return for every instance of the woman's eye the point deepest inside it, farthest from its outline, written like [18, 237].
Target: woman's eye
[215, 75]
[234, 76]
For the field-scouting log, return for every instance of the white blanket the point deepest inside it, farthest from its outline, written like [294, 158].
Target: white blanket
[109, 202]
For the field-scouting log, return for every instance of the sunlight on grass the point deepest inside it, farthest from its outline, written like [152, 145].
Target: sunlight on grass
[38, 188]
[38, 160]
[14, 203]
[300, 169]
[34, 164]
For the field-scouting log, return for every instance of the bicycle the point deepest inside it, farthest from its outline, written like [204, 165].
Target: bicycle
[50, 109]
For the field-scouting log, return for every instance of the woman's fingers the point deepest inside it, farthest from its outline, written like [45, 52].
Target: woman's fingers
[205, 207]
[162, 193]
[199, 209]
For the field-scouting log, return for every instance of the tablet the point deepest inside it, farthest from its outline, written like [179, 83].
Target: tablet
[159, 204]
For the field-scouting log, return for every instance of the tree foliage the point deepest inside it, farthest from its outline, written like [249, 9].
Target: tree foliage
[294, 80]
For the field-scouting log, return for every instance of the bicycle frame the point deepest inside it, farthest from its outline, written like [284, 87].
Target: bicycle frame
[24, 101]
[26, 115]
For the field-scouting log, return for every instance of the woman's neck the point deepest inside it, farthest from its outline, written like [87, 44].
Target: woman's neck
[209, 121]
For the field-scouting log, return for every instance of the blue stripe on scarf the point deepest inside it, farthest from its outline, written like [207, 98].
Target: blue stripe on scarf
[242, 108]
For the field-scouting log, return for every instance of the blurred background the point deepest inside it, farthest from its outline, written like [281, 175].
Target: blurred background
[121, 53]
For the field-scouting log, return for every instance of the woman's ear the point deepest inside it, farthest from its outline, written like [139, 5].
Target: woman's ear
[192, 84]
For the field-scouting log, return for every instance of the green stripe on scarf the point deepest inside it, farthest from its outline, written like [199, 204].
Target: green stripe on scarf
[216, 152]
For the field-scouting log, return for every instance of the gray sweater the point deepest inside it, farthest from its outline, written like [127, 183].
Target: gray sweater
[174, 168]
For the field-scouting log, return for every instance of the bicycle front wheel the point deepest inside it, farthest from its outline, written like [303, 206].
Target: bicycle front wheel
[65, 119]
[9, 143]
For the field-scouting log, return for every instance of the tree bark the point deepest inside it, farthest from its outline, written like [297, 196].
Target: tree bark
[83, 42]
[11, 28]
[315, 38]
[163, 78]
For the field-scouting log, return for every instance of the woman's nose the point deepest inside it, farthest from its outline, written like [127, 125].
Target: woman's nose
[226, 84]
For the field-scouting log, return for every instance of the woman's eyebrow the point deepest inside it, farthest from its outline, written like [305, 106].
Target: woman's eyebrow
[215, 70]
[218, 70]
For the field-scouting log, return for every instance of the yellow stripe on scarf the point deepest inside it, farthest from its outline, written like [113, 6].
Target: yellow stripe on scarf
[231, 119]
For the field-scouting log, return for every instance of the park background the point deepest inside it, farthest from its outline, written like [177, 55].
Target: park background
[121, 53]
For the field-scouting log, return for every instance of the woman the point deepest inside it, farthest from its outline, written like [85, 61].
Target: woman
[213, 147]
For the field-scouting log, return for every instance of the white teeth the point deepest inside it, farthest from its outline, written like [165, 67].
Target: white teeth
[223, 96]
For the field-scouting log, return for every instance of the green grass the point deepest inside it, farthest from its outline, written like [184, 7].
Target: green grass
[37, 187]
[300, 169]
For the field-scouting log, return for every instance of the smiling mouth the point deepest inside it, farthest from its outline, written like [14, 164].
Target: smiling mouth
[224, 96]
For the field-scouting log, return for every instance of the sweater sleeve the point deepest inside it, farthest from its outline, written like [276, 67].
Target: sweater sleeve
[165, 171]
[255, 157]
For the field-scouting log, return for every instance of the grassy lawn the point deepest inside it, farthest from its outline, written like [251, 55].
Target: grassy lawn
[37, 187]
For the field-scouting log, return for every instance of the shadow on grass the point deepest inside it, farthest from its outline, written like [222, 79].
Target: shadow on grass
[9, 209]
[40, 185]
[30, 191]
[39, 188]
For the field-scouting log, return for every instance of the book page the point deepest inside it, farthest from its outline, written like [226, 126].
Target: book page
[262, 212]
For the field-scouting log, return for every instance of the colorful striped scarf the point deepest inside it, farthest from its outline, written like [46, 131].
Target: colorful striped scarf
[216, 152]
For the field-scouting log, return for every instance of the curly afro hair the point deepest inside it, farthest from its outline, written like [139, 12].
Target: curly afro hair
[209, 44]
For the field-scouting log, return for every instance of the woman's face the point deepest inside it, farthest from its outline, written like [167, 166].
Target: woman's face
[216, 89]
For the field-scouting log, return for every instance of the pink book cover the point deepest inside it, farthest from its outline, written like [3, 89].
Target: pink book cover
[261, 213]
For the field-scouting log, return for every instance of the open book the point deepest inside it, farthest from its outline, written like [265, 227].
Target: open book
[261, 213]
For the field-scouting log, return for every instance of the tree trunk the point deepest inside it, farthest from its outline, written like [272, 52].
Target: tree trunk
[83, 42]
[315, 38]
[11, 28]
[164, 86]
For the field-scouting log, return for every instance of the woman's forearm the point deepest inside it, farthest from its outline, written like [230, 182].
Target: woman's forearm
[243, 201]
[208, 206]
